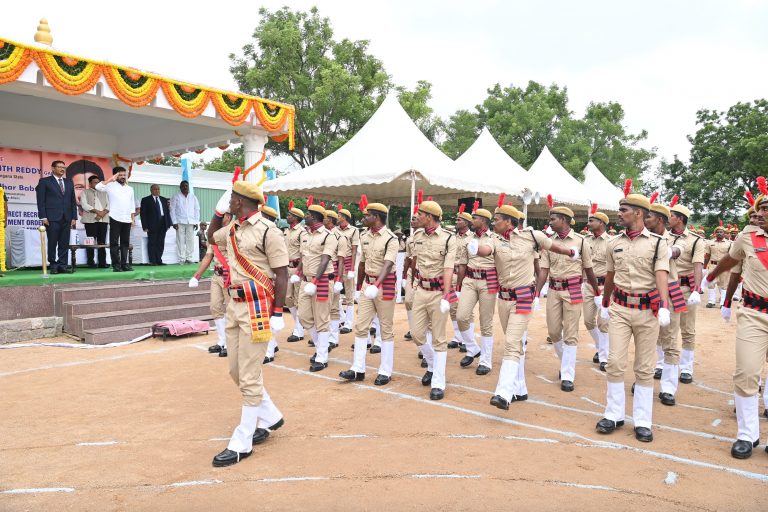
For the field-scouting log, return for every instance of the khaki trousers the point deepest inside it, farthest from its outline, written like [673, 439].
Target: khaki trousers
[514, 326]
[721, 281]
[426, 315]
[333, 297]
[472, 292]
[409, 292]
[292, 291]
[591, 312]
[349, 290]
[669, 341]
[751, 350]
[314, 313]
[219, 297]
[367, 309]
[245, 357]
[626, 324]
[562, 317]
[688, 322]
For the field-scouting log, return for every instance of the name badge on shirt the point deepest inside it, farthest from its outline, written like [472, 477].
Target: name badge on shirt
[618, 250]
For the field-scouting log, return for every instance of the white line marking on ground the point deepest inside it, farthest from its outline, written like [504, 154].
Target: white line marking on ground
[38, 490]
[584, 486]
[589, 400]
[98, 443]
[545, 379]
[220, 439]
[697, 407]
[599, 372]
[195, 482]
[451, 475]
[713, 390]
[532, 439]
[671, 478]
[292, 479]
[347, 436]
[204, 349]
[467, 436]
[572, 435]
[716, 423]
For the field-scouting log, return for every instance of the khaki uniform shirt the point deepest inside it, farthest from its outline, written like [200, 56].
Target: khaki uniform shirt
[434, 252]
[753, 271]
[672, 262]
[293, 241]
[560, 266]
[352, 235]
[476, 261]
[597, 246]
[633, 261]
[514, 257]
[688, 253]
[313, 246]
[93, 199]
[265, 251]
[378, 248]
[343, 249]
[718, 250]
[744, 232]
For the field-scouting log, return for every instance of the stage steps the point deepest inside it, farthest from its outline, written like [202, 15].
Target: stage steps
[121, 311]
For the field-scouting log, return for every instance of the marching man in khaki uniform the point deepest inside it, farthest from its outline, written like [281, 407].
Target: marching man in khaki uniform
[478, 283]
[270, 215]
[464, 331]
[258, 261]
[716, 250]
[513, 252]
[636, 292]
[597, 326]
[318, 246]
[690, 265]
[564, 297]
[342, 248]
[293, 241]
[409, 274]
[435, 257]
[751, 251]
[352, 235]
[376, 279]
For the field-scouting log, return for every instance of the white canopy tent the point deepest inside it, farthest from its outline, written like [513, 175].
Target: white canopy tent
[602, 191]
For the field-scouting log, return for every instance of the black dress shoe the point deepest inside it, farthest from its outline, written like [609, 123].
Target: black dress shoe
[260, 436]
[214, 349]
[436, 394]
[566, 385]
[453, 344]
[66, 270]
[426, 380]
[606, 426]
[643, 434]
[372, 331]
[382, 380]
[310, 343]
[159, 263]
[375, 349]
[710, 305]
[352, 375]
[316, 367]
[345, 330]
[228, 457]
[632, 389]
[482, 370]
[279, 423]
[92, 265]
[686, 378]
[424, 363]
[549, 340]
[103, 265]
[468, 360]
[127, 268]
[223, 352]
[765, 413]
[742, 449]
[596, 358]
[293, 338]
[602, 366]
[520, 398]
[55, 270]
[408, 336]
[312, 359]
[462, 348]
[268, 360]
[657, 374]
[277, 349]
[667, 398]
[332, 346]
[114, 269]
[500, 402]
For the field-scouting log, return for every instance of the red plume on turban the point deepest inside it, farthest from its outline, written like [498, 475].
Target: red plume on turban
[762, 186]
[322, 203]
[339, 206]
[550, 201]
[674, 201]
[290, 204]
[627, 187]
[236, 175]
[654, 197]
[721, 222]
[310, 201]
[363, 202]
[749, 197]
[500, 203]
[419, 196]
[475, 206]
[429, 198]
[593, 209]
[462, 207]
[415, 209]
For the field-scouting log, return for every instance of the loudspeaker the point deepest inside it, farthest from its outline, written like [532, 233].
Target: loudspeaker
[468, 202]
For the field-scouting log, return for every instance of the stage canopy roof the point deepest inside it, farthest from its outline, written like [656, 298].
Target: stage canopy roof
[602, 191]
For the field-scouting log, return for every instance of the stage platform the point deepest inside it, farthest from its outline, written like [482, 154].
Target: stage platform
[34, 276]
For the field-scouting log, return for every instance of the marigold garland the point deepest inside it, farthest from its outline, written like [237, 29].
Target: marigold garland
[186, 100]
[68, 75]
[13, 61]
[131, 87]
[271, 116]
[232, 109]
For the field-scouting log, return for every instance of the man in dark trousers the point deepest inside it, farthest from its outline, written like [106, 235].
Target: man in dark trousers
[57, 209]
[155, 220]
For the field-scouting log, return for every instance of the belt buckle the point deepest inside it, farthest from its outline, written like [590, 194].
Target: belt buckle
[635, 301]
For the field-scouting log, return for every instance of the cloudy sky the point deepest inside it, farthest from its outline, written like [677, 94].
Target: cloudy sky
[662, 60]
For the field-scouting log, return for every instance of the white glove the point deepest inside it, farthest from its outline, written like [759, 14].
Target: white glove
[337, 286]
[445, 306]
[599, 301]
[310, 288]
[605, 313]
[222, 206]
[371, 292]
[194, 283]
[576, 254]
[472, 247]
[664, 318]
[276, 323]
[695, 298]
[294, 279]
[536, 304]
[357, 295]
[705, 283]
[725, 313]
[458, 294]
[351, 274]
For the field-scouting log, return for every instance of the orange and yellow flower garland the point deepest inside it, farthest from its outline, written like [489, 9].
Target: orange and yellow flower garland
[14, 59]
[68, 75]
[131, 87]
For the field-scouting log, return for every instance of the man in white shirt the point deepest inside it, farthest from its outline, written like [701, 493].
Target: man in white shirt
[95, 218]
[122, 210]
[185, 216]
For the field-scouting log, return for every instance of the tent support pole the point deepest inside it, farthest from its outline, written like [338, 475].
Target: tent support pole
[413, 199]
[525, 214]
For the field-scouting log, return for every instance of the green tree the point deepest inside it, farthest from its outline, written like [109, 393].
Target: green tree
[416, 104]
[227, 162]
[171, 161]
[461, 131]
[729, 151]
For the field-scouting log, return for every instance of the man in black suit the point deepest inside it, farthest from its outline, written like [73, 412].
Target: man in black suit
[155, 220]
[57, 209]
